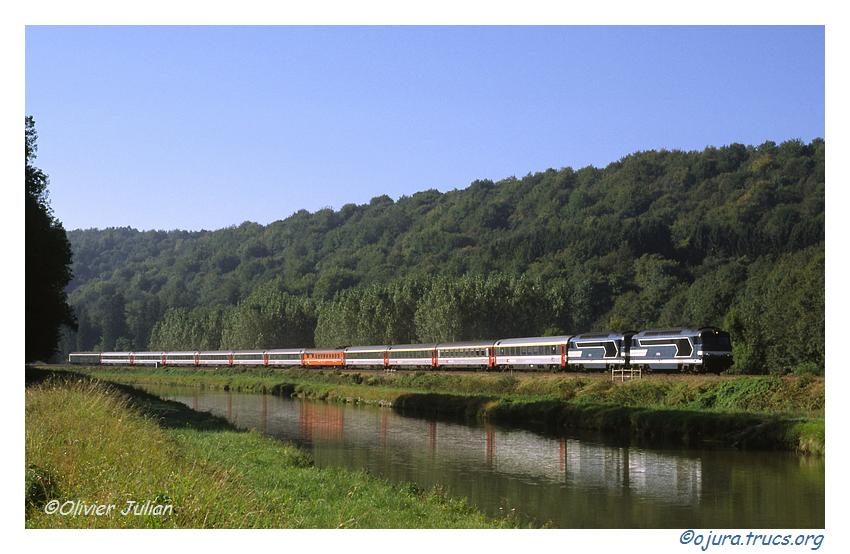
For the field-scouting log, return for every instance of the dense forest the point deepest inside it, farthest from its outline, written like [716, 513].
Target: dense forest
[732, 237]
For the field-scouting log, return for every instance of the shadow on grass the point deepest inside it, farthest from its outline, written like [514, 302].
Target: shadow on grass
[168, 414]
[442, 406]
[645, 426]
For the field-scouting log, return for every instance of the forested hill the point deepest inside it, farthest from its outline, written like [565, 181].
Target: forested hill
[730, 236]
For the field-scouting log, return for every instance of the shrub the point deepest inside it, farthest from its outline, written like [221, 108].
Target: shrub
[807, 369]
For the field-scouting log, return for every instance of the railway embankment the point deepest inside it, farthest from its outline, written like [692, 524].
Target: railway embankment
[91, 444]
[758, 412]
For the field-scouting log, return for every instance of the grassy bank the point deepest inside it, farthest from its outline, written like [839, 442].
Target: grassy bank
[103, 444]
[747, 412]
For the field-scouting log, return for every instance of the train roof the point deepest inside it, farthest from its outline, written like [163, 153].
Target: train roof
[339, 350]
[671, 332]
[429, 346]
[715, 330]
[533, 341]
[285, 351]
[377, 348]
[601, 335]
[467, 344]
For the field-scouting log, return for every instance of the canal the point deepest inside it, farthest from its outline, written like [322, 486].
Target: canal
[559, 481]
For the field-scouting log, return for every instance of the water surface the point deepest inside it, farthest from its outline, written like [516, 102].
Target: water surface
[545, 480]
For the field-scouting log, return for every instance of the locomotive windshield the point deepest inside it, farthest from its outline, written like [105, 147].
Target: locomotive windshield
[716, 341]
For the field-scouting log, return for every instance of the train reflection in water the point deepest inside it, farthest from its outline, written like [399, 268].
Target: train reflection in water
[517, 453]
[562, 481]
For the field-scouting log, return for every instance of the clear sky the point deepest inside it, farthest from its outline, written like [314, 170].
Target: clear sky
[205, 127]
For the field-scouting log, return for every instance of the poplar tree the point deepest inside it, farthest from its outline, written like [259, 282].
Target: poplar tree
[47, 263]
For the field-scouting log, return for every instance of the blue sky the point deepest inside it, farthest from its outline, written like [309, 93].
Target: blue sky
[204, 127]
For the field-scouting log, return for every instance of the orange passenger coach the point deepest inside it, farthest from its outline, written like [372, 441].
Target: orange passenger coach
[323, 358]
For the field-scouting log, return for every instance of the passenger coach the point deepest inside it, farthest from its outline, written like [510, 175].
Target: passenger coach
[466, 354]
[532, 352]
[412, 355]
[367, 356]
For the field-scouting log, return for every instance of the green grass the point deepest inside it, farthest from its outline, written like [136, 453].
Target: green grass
[89, 441]
[787, 396]
[744, 411]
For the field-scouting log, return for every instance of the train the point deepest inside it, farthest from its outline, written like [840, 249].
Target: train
[702, 350]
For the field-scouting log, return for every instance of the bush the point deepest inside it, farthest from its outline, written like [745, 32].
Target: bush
[807, 369]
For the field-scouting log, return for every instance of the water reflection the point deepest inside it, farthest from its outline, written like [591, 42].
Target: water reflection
[561, 481]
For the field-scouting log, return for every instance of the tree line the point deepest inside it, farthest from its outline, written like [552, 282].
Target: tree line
[732, 237]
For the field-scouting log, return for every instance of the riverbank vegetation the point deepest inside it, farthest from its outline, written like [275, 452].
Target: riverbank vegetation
[101, 443]
[731, 236]
[746, 411]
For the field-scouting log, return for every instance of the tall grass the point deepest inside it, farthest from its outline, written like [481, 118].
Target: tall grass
[90, 442]
[85, 442]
